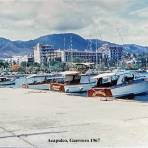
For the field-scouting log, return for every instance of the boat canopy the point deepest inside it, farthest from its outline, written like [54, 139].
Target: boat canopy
[70, 73]
[2, 77]
[88, 63]
[39, 75]
[104, 75]
[31, 76]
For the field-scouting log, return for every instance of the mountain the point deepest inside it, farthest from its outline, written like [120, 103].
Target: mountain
[9, 48]
[133, 48]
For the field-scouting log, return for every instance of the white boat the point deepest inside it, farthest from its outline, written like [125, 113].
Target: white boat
[85, 68]
[74, 82]
[6, 81]
[41, 82]
[119, 84]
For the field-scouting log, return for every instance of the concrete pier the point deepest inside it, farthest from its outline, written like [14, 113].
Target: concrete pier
[32, 118]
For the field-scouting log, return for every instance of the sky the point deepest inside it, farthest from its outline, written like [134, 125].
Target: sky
[118, 21]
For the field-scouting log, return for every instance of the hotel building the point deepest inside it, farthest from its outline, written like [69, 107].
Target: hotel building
[46, 53]
[40, 53]
[113, 53]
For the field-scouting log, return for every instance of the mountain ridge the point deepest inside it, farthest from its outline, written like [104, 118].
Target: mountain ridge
[9, 48]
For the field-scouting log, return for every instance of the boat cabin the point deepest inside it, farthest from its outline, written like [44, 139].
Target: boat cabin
[70, 78]
[45, 78]
[118, 84]
[113, 79]
[74, 77]
[84, 68]
[3, 79]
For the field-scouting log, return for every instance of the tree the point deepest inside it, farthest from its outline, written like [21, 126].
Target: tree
[24, 64]
[4, 64]
[56, 66]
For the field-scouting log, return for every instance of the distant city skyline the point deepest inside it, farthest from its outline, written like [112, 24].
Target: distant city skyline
[118, 21]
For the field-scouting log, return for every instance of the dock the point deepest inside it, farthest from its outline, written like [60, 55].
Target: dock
[43, 119]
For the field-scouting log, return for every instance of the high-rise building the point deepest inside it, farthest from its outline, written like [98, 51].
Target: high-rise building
[81, 56]
[45, 53]
[41, 52]
[113, 52]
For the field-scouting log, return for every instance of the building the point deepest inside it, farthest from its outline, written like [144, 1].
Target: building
[113, 52]
[41, 52]
[74, 56]
[81, 56]
[19, 59]
[30, 59]
[45, 53]
[54, 55]
[116, 53]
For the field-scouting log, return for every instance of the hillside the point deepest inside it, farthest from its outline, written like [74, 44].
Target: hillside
[9, 48]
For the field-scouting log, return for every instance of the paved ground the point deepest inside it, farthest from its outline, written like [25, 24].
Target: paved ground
[30, 118]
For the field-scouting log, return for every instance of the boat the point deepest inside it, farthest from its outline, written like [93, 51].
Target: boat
[85, 68]
[4, 81]
[41, 82]
[119, 85]
[74, 82]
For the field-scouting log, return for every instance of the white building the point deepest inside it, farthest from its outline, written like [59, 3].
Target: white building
[41, 52]
[81, 56]
[46, 53]
[74, 56]
[19, 59]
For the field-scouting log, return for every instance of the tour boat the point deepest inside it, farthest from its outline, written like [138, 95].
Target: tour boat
[119, 85]
[74, 82]
[6, 81]
[85, 68]
[41, 82]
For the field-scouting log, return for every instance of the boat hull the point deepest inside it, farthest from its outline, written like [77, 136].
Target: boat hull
[78, 88]
[130, 89]
[7, 83]
[99, 92]
[57, 87]
[39, 86]
[71, 88]
[43, 86]
[136, 88]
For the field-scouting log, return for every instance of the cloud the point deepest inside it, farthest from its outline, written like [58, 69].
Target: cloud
[64, 15]
[26, 19]
[141, 13]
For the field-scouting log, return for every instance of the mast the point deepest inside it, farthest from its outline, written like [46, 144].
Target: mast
[96, 52]
[90, 45]
[101, 38]
[122, 40]
[64, 42]
[90, 49]
[26, 65]
[71, 49]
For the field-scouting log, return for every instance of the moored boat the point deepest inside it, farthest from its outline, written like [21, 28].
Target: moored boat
[41, 82]
[74, 82]
[85, 68]
[6, 81]
[119, 85]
